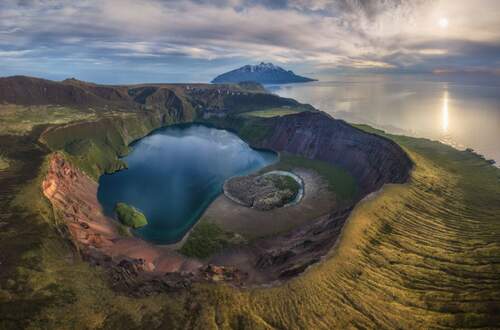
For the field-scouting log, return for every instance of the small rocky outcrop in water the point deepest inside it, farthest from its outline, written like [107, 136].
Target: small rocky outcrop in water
[130, 216]
[263, 192]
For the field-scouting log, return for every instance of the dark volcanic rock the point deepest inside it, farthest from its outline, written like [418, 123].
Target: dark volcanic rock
[288, 255]
[130, 277]
[371, 159]
[263, 192]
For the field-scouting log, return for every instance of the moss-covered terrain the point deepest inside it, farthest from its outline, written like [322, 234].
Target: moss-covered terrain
[130, 216]
[339, 180]
[207, 239]
[273, 112]
[425, 254]
[285, 182]
[19, 119]
[4, 163]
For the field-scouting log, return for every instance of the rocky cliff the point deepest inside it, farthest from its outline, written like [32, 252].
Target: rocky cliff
[371, 159]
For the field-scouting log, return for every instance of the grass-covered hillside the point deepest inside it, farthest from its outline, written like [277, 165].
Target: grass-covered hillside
[339, 180]
[425, 254]
[273, 112]
[420, 255]
[16, 119]
[4, 163]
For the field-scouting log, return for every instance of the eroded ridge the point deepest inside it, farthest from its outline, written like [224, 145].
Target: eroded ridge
[371, 159]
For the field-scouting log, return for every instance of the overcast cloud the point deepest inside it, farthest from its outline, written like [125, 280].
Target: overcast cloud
[166, 40]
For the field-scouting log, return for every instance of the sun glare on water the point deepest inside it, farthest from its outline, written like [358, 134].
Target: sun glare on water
[445, 113]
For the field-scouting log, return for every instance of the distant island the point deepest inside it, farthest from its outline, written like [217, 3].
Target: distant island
[264, 73]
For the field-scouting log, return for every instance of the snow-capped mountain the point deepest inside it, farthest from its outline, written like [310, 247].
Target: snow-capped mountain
[264, 73]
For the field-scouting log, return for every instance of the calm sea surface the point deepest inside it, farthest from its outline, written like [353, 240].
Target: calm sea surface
[175, 173]
[461, 112]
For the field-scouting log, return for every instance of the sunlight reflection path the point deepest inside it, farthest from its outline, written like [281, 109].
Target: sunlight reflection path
[445, 113]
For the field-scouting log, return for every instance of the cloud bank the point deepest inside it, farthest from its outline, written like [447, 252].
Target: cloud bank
[167, 40]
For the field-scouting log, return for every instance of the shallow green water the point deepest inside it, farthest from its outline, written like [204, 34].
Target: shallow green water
[175, 173]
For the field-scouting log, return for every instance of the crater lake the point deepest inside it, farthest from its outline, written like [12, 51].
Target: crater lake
[173, 175]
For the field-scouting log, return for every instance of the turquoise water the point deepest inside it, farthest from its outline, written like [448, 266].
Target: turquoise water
[175, 173]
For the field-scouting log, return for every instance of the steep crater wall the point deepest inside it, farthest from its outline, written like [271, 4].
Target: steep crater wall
[371, 159]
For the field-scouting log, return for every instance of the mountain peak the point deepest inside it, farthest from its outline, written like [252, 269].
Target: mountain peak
[264, 73]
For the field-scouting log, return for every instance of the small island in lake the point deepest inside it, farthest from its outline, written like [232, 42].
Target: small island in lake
[130, 216]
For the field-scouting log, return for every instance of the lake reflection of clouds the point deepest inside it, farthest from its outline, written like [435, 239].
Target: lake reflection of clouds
[175, 173]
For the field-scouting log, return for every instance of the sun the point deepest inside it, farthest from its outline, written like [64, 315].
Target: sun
[443, 22]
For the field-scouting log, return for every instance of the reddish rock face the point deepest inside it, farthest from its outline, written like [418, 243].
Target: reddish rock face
[70, 192]
[74, 196]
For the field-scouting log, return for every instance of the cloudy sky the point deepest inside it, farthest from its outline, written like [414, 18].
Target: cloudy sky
[194, 40]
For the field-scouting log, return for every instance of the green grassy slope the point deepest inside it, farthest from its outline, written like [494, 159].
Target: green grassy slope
[421, 255]
[95, 146]
[44, 283]
[205, 240]
[16, 119]
[273, 112]
[339, 180]
[4, 163]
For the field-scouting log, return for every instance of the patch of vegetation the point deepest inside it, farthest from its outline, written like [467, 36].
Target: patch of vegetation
[96, 146]
[252, 86]
[253, 132]
[260, 101]
[16, 119]
[124, 230]
[130, 216]
[285, 182]
[339, 180]
[274, 112]
[206, 239]
[250, 129]
[4, 163]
